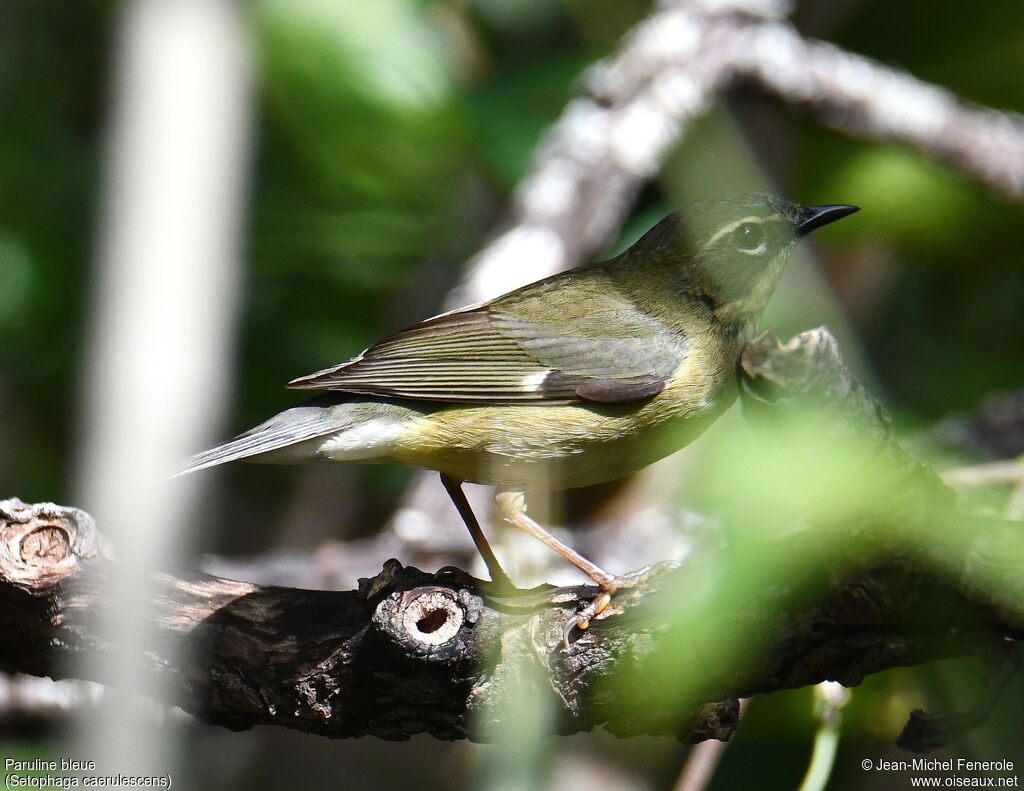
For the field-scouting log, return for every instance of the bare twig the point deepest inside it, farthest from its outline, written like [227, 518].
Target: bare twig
[996, 472]
[984, 474]
[868, 99]
[640, 100]
[829, 699]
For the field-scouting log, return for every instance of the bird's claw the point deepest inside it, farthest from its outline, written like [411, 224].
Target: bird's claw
[582, 619]
[609, 584]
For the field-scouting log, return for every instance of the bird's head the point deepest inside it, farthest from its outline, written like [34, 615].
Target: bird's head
[734, 250]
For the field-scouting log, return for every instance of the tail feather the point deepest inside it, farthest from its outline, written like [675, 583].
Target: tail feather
[288, 428]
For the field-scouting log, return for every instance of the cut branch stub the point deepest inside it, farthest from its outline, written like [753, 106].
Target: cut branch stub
[45, 545]
[41, 544]
[784, 385]
[431, 622]
[808, 364]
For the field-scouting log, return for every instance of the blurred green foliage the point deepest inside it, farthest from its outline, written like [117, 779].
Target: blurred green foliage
[362, 143]
[388, 135]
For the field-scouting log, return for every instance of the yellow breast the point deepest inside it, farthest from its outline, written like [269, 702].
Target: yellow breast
[567, 446]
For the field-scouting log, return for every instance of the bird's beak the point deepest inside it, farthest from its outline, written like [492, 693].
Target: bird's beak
[810, 217]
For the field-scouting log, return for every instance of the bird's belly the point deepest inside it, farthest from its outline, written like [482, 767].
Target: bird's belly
[564, 446]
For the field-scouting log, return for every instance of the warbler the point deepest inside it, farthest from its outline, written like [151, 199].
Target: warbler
[573, 380]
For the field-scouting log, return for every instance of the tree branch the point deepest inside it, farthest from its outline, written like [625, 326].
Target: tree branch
[665, 74]
[410, 652]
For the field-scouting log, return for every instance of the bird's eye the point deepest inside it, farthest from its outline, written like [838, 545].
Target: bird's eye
[748, 237]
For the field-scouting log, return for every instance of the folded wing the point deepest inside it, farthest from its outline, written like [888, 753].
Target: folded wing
[534, 345]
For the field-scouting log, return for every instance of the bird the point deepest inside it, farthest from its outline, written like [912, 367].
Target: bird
[577, 379]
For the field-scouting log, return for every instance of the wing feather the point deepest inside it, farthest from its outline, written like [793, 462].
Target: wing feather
[521, 348]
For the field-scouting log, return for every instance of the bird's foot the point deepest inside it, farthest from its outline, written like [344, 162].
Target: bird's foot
[582, 619]
[609, 585]
[499, 584]
[512, 505]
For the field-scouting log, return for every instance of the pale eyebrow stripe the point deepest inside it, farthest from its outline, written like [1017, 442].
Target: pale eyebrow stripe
[732, 227]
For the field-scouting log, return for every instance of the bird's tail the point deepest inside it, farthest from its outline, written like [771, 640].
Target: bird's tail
[281, 439]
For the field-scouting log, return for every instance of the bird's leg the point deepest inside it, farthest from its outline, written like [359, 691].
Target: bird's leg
[512, 505]
[454, 488]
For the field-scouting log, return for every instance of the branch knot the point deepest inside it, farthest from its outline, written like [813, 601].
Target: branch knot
[428, 622]
[41, 544]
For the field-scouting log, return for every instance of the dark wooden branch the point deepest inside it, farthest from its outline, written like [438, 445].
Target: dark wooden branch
[443, 653]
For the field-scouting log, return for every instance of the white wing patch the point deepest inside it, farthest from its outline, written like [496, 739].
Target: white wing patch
[532, 382]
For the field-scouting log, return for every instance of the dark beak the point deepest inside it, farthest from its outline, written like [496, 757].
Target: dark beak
[810, 217]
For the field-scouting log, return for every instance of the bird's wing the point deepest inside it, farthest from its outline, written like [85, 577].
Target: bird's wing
[531, 346]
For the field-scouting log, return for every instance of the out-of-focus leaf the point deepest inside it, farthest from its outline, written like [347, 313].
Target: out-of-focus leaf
[517, 16]
[16, 275]
[365, 92]
[908, 199]
[511, 111]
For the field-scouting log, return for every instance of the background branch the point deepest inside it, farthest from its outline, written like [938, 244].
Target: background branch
[640, 100]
